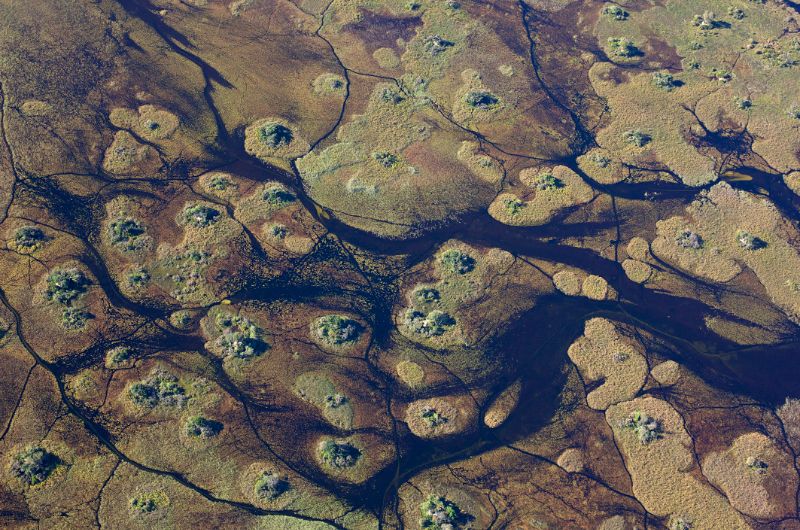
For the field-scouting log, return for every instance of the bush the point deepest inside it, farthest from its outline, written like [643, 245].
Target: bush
[74, 318]
[240, 337]
[278, 196]
[339, 455]
[34, 465]
[386, 159]
[794, 112]
[615, 12]
[337, 329]
[432, 417]
[689, 239]
[147, 503]
[757, 465]
[680, 523]
[335, 400]
[457, 262]
[220, 183]
[117, 356]
[270, 486]
[29, 238]
[275, 135]
[434, 44]
[481, 99]
[201, 427]
[637, 138]
[426, 295]
[200, 216]
[665, 81]
[647, 429]
[514, 206]
[124, 231]
[138, 278]
[433, 324]
[390, 95]
[600, 160]
[161, 388]
[736, 13]
[622, 47]
[706, 21]
[438, 513]
[748, 241]
[548, 181]
[66, 285]
[278, 231]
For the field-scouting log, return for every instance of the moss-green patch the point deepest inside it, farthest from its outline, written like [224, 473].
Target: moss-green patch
[319, 390]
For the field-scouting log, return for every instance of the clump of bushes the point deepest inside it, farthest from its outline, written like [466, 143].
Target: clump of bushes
[161, 388]
[706, 21]
[29, 238]
[270, 486]
[275, 135]
[622, 47]
[432, 417]
[278, 231]
[240, 337]
[138, 278]
[339, 455]
[34, 465]
[665, 81]
[119, 355]
[647, 429]
[439, 513]
[689, 239]
[548, 181]
[457, 262]
[337, 329]
[390, 95]
[124, 232]
[680, 523]
[278, 195]
[386, 159]
[200, 427]
[757, 465]
[600, 160]
[433, 324]
[335, 400]
[200, 215]
[514, 206]
[748, 241]
[434, 44]
[147, 503]
[481, 99]
[637, 138]
[615, 12]
[74, 318]
[220, 183]
[66, 285]
[736, 13]
[426, 295]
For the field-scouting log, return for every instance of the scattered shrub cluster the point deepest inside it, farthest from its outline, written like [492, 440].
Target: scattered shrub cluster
[339, 455]
[622, 47]
[481, 99]
[457, 262]
[748, 241]
[33, 465]
[434, 44]
[647, 429]
[200, 216]
[337, 329]
[548, 181]
[757, 465]
[278, 196]
[439, 513]
[240, 337]
[200, 427]
[275, 134]
[161, 388]
[335, 400]
[270, 486]
[426, 295]
[125, 232]
[689, 239]
[29, 238]
[432, 417]
[615, 12]
[432, 324]
[65, 286]
[637, 138]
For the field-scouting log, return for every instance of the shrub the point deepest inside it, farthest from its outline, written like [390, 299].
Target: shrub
[390, 95]
[335, 400]
[689, 239]
[161, 388]
[481, 99]
[794, 112]
[706, 21]
[743, 103]
[220, 183]
[34, 465]
[433, 324]
[426, 295]
[434, 44]
[757, 465]
[665, 81]
[637, 138]
[240, 337]
[386, 159]
[622, 47]
[278, 231]
[615, 12]
[118, 355]
[722, 75]
[457, 262]
[29, 238]
[275, 135]
[339, 455]
[439, 513]
[548, 181]
[74, 318]
[680, 523]
[514, 206]
[600, 160]
[138, 278]
[748, 241]
[337, 329]
[736, 13]
[278, 196]
[200, 216]
[66, 285]
[270, 486]
[124, 229]
[147, 503]
[201, 427]
[432, 417]
[647, 429]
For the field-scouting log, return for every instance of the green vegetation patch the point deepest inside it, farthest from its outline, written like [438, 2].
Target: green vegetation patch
[29, 238]
[34, 465]
[270, 485]
[457, 262]
[200, 215]
[66, 285]
[439, 513]
[240, 338]
[161, 388]
[339, 454]
[201, 427]
[646, 428]
[336, 330]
